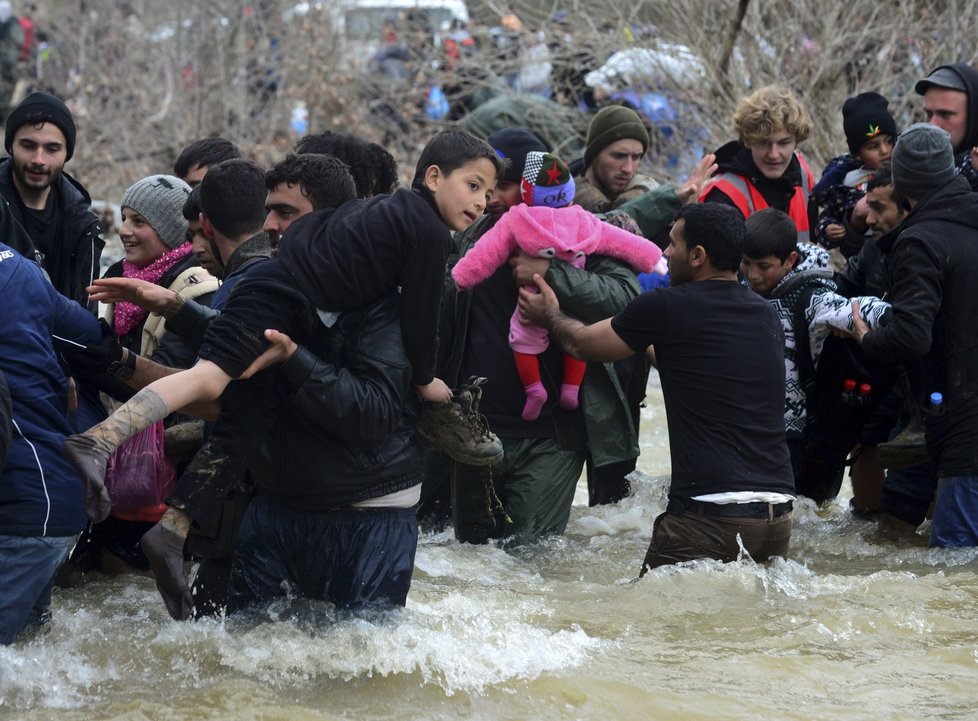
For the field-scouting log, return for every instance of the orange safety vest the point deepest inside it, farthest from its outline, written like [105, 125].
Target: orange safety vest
[749, 200]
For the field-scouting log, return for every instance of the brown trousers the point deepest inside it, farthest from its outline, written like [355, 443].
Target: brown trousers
[678, 537]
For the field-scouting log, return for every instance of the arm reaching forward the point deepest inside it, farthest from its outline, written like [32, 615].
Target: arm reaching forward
[595, 342]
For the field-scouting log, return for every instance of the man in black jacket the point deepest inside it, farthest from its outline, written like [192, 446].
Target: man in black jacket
[63, 234]
[932, 262]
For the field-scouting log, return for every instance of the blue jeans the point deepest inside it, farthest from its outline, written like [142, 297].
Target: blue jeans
[955, 523]
[27, 568]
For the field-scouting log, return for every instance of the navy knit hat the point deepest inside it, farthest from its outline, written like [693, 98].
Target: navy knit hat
[865, 117]
[160, 199]
[39, 108]
[513, 144]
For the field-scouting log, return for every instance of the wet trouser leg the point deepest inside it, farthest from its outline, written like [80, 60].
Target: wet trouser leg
[955, 523]
[907, 492]
[27, 568]
[535, 482]
[356, 559]
[678, 537]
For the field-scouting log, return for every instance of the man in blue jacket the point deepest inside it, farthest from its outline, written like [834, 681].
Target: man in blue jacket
[41, 496]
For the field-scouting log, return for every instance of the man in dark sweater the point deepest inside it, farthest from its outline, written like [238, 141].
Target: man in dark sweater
[719, 349]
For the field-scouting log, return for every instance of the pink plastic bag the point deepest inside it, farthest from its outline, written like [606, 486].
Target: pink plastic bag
[139, 476]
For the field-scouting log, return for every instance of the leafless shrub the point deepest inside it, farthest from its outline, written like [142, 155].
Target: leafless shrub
[147, 78]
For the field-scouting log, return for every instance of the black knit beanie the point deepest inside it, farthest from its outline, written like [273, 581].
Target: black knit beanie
[39, 108]
[612, 123]
[864, 117]
[513, 144]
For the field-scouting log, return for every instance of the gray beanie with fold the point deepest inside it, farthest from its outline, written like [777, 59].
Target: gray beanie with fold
[160, 199]
[922, 160]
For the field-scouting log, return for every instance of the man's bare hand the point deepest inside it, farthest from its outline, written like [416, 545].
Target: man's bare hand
[689, 192]
[526, 266]
[857, 218]
[150, 296]
[535, 308]
[281, 349]
[859, 326]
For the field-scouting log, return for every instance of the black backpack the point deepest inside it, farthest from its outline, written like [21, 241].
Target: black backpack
[841, 392]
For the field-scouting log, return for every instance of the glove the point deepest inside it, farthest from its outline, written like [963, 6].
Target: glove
[105, 358]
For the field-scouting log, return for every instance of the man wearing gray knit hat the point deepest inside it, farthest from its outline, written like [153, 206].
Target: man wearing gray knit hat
[932, 259]
[922, 160]
[617, 140]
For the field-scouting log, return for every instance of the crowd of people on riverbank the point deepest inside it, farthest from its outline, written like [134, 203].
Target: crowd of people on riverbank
[294, 368]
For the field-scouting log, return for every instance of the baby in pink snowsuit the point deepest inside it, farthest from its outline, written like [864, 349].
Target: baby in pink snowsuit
[547, 226]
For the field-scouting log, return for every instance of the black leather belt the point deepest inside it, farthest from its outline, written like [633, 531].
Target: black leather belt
[729, 510]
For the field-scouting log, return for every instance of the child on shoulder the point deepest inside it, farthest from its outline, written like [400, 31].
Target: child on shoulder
[870, 133]
[341, 260]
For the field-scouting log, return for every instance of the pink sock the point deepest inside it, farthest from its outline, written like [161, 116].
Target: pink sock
[568, 396]
[536, 396]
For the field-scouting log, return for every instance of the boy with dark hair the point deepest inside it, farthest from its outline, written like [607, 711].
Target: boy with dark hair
[323, 272]
[797, 281]
[194, 160]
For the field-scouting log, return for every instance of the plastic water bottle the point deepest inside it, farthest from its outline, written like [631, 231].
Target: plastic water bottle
[300, 118]
[936, 400]
[849, 391]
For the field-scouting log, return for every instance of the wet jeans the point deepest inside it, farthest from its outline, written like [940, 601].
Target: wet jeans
[27, 568]
[688, 536]
[955, 523]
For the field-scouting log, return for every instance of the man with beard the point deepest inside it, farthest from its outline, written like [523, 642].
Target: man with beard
[950, 100]
[719, 349]
[63, 234]
[617, 140]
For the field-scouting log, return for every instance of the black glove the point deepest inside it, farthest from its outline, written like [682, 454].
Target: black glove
[107, 357]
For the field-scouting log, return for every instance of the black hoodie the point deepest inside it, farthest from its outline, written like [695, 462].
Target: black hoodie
[969, 76]
[932, 260]
[737, 159]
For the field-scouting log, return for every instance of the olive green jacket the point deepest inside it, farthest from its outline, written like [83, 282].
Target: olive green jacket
[601, 290]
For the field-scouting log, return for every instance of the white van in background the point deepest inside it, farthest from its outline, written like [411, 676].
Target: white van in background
[361, 24]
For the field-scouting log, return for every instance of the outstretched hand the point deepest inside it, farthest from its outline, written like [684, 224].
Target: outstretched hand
[536, 308]
[281, 348]
[689, 192]
[150, 296]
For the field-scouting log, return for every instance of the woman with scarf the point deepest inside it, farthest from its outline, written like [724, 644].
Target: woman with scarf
[157, 247]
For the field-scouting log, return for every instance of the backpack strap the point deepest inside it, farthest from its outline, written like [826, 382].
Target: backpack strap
[803, 349]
